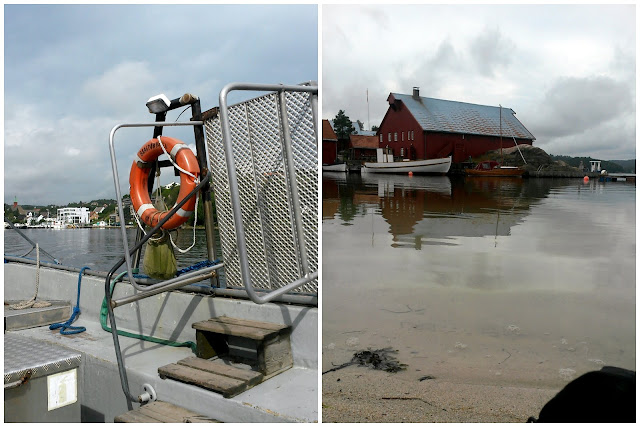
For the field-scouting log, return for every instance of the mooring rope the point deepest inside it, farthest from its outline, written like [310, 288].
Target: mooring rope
[74, 315]
[31, 303]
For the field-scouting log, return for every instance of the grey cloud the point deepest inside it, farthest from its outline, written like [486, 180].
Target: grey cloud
[72, 72]
[491, 50]
[574, 105]
[432, 70]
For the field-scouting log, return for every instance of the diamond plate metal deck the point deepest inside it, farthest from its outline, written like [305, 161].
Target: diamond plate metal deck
[42, 358]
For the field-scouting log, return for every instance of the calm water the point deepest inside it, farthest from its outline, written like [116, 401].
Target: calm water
[99, 249]
[484, 279]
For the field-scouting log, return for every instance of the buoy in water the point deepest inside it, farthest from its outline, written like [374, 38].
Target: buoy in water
[586, 179]
[410, 173]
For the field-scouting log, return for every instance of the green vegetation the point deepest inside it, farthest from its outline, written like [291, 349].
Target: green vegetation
[612, 166]
[342, 125]
[628, 165]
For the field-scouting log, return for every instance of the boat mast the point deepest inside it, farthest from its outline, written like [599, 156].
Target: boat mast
[501, 156]
[368, 118]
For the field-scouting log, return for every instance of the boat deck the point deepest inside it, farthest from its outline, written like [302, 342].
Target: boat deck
[270, 401]
[291, 396]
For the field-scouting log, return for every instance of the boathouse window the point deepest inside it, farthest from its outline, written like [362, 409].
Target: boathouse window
[381, 138]
[402, 135]
[389, 137]
[395, 136]
[402, 152]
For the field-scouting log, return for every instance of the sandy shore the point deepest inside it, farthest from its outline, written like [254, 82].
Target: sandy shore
[501, 363]
[359, 394]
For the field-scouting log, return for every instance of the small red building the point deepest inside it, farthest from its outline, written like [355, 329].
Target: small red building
[329, 144]
[363, 147]
[416, 127]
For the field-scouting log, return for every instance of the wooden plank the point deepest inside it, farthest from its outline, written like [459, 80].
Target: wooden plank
[250, 332]
[170, 413]
[250, 377]
[275, 356]
[254, 323]
[228, 387]
[162, 412]
[159, 418]
[134, 417]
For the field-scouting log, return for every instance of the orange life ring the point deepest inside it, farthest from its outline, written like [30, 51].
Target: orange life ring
[182, 155]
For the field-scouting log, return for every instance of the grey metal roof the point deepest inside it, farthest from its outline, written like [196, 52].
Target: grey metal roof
[459, 117]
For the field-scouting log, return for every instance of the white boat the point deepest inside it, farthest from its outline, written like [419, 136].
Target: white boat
[337, 167]
[240, 347]
[385, 164]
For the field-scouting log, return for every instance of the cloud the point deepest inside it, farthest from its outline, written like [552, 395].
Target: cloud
[568, 71]
[73, 72]
[491, 51]
[123, 86]
[577, 105]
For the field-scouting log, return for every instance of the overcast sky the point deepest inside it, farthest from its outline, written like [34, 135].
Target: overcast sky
[71, 73]
[568, 72]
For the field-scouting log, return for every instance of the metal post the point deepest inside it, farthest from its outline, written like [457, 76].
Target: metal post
[293, 185]
[201, 151]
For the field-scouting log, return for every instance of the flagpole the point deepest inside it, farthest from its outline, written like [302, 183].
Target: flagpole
[368, 118]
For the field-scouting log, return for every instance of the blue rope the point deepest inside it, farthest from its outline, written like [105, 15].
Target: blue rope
[74, 315]
[198, 266]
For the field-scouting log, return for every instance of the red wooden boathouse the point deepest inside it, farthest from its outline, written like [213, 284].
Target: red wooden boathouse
[329, 144]
[416, 127]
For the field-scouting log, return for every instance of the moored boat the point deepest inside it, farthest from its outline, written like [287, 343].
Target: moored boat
[386, 164]
[493, 168]
[336, 167]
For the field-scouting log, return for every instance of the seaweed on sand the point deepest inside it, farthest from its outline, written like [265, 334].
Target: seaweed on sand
[375, 359]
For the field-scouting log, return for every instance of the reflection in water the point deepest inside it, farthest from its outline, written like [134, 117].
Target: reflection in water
[541, 268]
[430, 210]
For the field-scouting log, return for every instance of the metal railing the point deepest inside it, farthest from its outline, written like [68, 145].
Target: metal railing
[31, 242]
[267, 201]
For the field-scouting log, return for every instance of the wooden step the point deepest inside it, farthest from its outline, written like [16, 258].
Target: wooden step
[254, 330]
[213, 375]
[162, 412]
[265, 346]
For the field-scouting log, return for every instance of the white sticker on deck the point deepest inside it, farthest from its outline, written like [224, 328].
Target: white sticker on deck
[62, 389]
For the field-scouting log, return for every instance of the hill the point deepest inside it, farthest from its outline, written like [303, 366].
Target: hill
[629, 166]
[538, 159]
[575, 162]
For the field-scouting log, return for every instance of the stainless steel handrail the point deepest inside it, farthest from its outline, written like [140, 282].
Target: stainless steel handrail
[168, 285]
[234, 191]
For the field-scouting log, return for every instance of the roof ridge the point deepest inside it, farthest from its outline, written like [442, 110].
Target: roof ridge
[456, 102]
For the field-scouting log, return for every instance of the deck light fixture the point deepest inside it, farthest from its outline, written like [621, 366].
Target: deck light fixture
[158, 104]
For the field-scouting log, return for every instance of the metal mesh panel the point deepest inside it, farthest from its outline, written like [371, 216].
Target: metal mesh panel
[267, 214]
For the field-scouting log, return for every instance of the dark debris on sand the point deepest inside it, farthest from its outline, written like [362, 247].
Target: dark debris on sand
[381, 359]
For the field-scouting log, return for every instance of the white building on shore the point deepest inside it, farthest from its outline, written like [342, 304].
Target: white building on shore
[73, 215]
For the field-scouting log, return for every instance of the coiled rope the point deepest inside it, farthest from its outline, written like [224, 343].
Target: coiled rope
[31, 303]
[74, 315]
